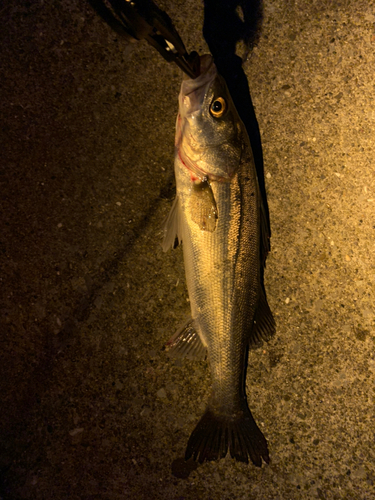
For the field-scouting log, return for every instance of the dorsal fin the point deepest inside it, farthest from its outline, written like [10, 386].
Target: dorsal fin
[264, 326]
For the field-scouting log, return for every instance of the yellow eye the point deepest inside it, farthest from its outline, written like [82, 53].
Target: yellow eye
[218, 107]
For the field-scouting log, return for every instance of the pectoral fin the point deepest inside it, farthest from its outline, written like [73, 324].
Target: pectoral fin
[203, 207]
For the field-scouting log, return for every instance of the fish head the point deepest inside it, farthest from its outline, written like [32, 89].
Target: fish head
[209, 136]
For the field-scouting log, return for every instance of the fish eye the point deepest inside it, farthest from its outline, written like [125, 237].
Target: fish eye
[218, 107]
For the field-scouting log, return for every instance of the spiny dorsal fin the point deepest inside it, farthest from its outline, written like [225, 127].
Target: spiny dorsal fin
[265, 245]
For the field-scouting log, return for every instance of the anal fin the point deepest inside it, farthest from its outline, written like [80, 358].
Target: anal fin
[186, 343]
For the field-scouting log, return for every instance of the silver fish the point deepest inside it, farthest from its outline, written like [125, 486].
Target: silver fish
[218, 216]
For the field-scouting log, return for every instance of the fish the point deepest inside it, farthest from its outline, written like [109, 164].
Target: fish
[218, 217]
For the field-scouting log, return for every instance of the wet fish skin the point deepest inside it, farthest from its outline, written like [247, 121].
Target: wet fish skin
[218, 216]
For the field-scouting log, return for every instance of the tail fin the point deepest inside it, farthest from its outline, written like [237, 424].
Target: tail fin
[214, 435]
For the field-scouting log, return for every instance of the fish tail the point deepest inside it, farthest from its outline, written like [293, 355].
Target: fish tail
[215, 435]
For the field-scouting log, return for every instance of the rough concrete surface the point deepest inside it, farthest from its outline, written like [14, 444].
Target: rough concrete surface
[91, 407]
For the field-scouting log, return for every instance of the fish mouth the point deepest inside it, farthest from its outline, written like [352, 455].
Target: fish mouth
[193, 90]
[205, 63]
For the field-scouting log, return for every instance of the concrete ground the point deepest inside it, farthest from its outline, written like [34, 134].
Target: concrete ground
[91, 407]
